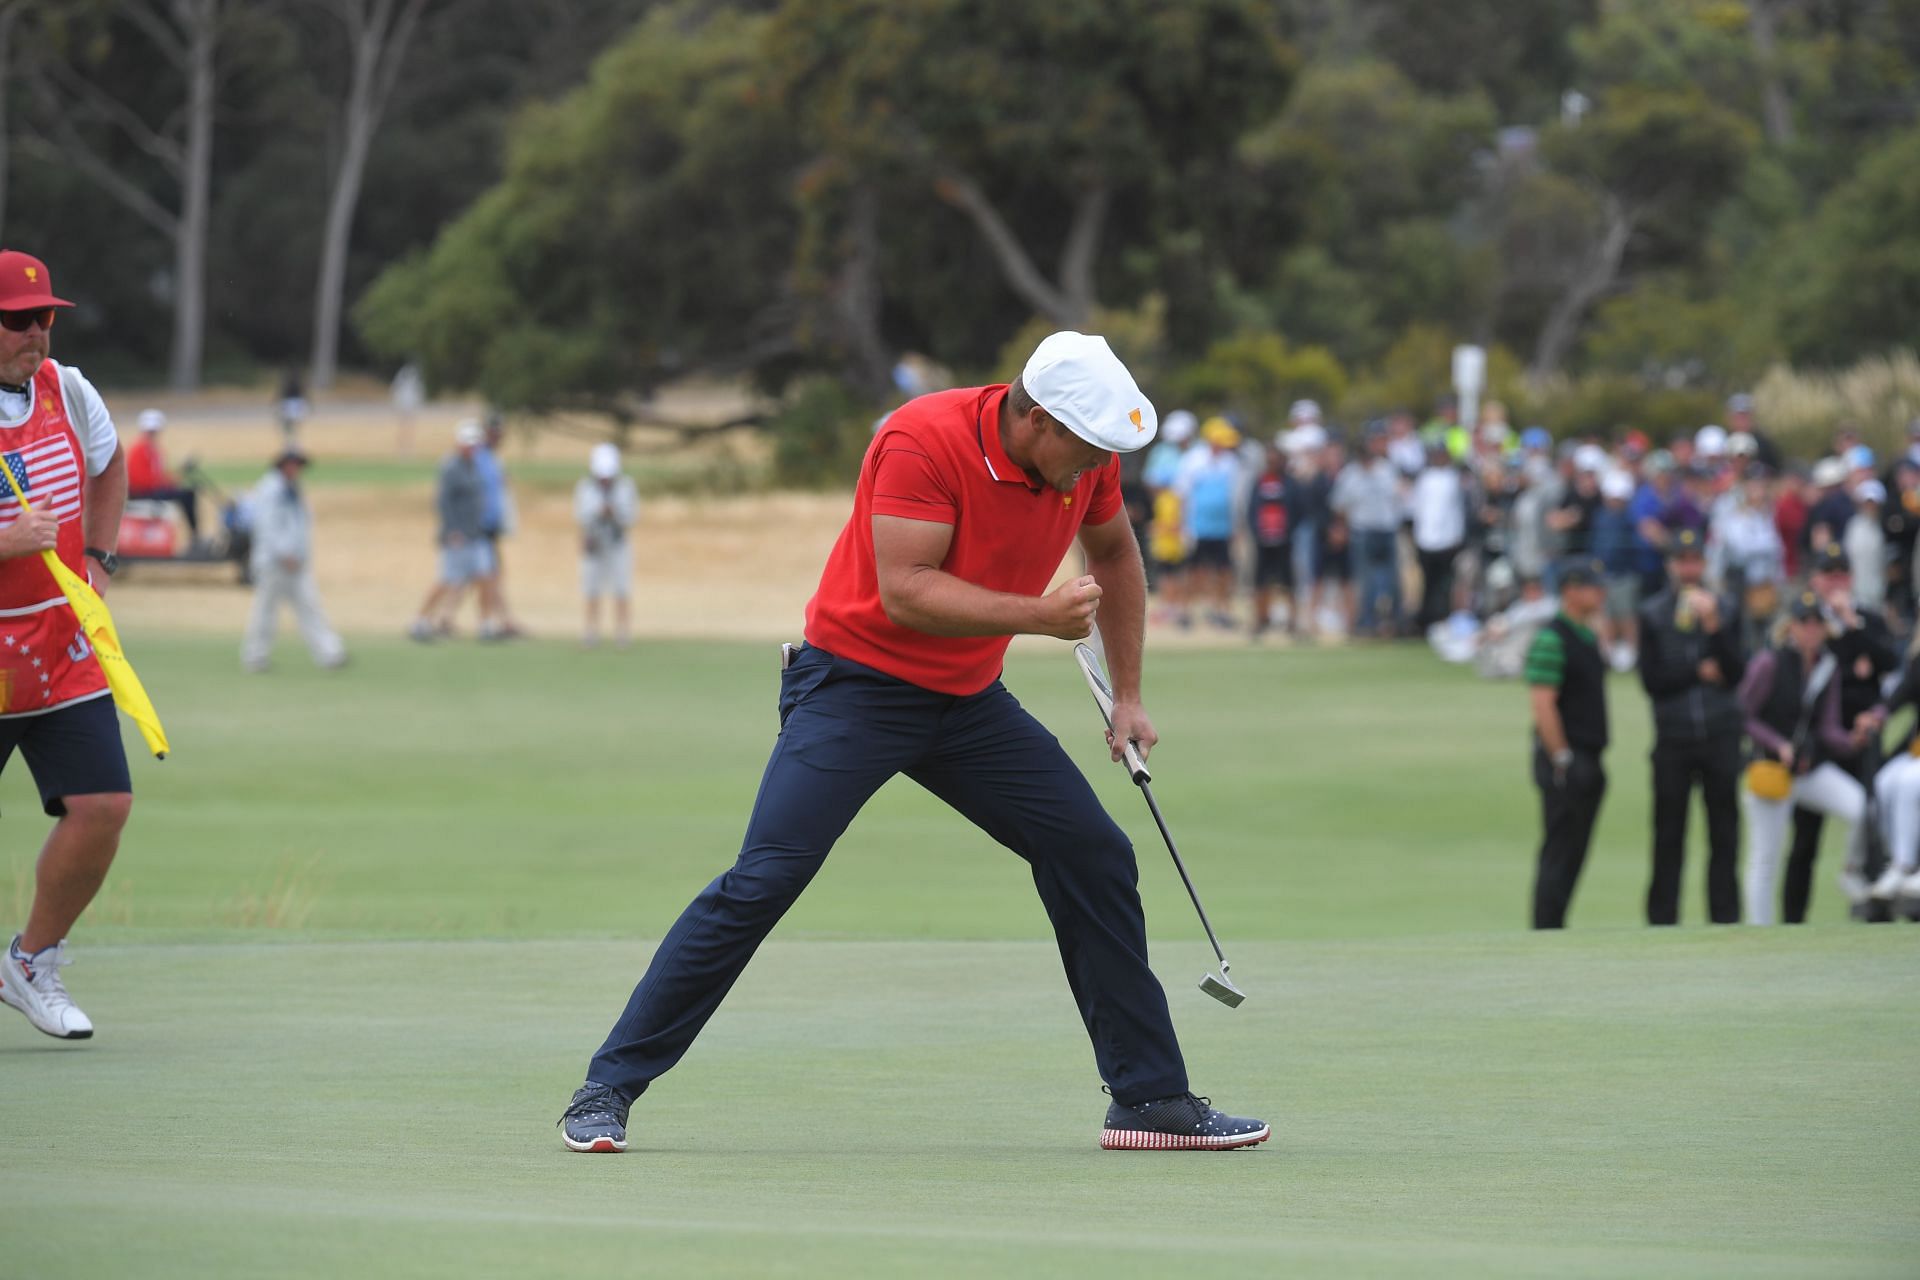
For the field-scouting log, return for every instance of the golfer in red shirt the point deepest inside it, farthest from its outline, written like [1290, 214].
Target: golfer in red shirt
[966, 505]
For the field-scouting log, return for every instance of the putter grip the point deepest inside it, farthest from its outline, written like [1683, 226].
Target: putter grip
[1103, 698]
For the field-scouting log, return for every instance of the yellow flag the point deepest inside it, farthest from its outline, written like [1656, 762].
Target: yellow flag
[91, 610]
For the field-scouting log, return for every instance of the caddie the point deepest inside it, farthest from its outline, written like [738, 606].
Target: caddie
[966, 504]
[59, 442]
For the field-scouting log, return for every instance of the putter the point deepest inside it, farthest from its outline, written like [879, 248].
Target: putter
[1220, 987]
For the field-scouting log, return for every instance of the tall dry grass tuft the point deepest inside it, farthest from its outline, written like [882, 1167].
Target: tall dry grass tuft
[1878, 396]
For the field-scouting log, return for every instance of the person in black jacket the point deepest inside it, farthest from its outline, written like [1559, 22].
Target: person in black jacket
[1567, 681]
[1691, 663]
[1867, 652]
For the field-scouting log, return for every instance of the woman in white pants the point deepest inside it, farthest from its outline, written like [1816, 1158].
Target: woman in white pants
[1897, 788]
[1791, 696]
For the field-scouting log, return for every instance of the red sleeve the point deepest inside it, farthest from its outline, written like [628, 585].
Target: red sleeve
[909, 483]
[1103, 504]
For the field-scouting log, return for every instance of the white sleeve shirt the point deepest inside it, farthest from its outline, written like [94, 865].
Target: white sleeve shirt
[91, 421]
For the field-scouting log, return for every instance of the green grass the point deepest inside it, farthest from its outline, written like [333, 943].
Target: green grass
[368, 926]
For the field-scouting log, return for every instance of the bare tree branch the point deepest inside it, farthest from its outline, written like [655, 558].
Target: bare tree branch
[73, 150]
[964, 194]
[1596, 276]
[1082, 249]
[165, 36]
[96, 101]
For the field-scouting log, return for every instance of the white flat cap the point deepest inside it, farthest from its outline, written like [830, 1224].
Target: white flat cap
[1180, 426]
[1077, 378]
[152, 420]
[604, 462]
[468, 434]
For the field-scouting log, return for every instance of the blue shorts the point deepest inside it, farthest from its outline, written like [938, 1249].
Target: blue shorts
[471, 560]
[73, 751]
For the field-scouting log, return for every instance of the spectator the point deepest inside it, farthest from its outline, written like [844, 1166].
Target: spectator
[1573, 519]
[1308, 510]
[1690, 665]
[1368, 496]
[291, 408]
[1831, 508]
[1272, 540]
[1865, 542]
[1167, 532]
[1208, 488]
[497, 523]
[1567, 681]
[1335, 553]
[1866, 653]
[1613, 548]
[605, 507]
[148, 478]
[1502, 646]
[465, 555]
[409, 393]
[1740, 421]
[1439, 530]
[1532, 544]
[1901, 524]
[1897, 788]
[1790, 697]
[282, 566]
[1746, 556]
[1403, 444]
[1790, 522]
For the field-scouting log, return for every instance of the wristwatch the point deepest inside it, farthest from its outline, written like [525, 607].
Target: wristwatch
[1563, 758]
[108, 560]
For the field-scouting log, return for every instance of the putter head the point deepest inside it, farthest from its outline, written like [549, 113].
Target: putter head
[1221, 988]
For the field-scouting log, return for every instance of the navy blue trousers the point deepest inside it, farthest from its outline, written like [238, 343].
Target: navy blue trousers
[845, 730]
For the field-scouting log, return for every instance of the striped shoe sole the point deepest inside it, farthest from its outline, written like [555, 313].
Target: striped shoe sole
[1144, 1140]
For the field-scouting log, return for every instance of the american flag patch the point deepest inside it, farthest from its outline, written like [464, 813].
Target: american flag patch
[48, 473]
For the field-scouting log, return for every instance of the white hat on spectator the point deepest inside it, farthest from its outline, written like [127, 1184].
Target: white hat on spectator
[1179, 426]
[1710, 441]
[604, 462]
[1304, 411]
[1616, 484]
[1077, 378]
[1829, 472]
[1741, 444]
[1590, 457]
[469, 435]
[152, 420]
[1870, 491]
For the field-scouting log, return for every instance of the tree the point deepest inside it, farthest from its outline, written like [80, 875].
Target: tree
[1053, 130]
[643, 231]
[377, 34]
[1650, 166]
[79, 122]
[1848, 281]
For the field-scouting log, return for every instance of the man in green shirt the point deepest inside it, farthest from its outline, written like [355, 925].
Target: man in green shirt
[1567, 682]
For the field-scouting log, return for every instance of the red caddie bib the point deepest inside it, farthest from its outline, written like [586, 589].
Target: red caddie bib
[45, 660]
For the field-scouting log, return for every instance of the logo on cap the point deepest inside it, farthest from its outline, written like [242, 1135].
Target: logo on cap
[1134, 418]
[33, 274]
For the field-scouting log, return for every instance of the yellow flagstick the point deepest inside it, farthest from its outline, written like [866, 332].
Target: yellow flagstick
[91, 610]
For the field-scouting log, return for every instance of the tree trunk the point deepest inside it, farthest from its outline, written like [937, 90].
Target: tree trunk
[1776, 113]
[1068, 303]
[1595, 277]
[856, 292]
[199, 18]
[379, 46]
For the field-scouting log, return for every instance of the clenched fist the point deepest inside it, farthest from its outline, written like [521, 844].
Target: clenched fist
[1067, 613]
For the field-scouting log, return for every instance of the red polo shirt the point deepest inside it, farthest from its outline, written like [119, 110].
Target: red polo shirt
[939, 458]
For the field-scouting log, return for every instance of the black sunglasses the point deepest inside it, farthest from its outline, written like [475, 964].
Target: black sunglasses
[21, 321]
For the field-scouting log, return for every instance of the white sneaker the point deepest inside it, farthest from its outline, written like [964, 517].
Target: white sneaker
[1854, 886]
[32, 985]
[1910, 887]
[1888, 885]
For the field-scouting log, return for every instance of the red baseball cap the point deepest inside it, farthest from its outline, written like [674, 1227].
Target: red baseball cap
[24, 283]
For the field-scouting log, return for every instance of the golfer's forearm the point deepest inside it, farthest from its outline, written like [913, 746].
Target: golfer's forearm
[106, 502]
[939, 604]
[1546, 721]
[1123, 617]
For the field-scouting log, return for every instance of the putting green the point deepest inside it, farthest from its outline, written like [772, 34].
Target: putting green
[368, 928]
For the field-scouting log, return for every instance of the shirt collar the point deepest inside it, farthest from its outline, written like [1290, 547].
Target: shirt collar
[992, 452]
